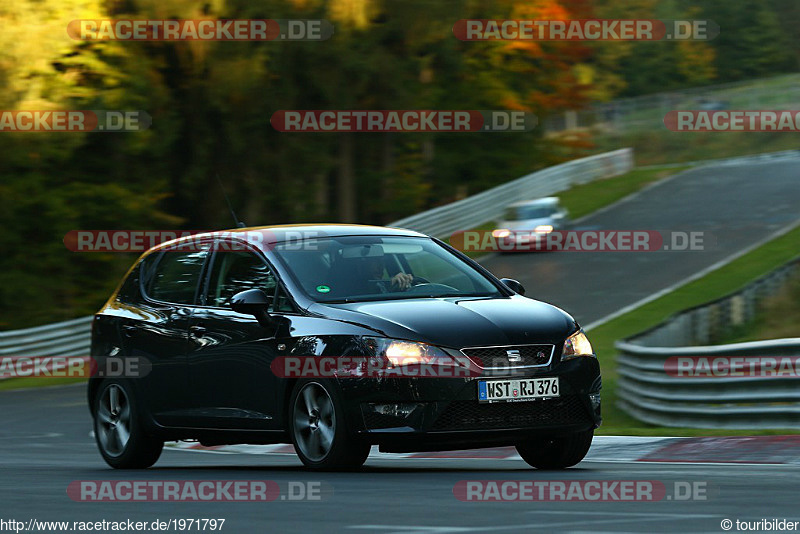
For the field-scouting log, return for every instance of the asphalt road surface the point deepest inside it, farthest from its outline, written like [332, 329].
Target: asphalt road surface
[45, 446]
[45, 441]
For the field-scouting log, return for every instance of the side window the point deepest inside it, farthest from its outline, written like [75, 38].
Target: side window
[175, 276]
[235, 271]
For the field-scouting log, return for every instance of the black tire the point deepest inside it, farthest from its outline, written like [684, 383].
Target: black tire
[319, 428]
[556, 453]
[115, 416]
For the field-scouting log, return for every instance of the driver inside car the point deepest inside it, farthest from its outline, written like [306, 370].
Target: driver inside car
[375, 269]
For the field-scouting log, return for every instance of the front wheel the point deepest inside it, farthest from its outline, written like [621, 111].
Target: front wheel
[319, 428]
[118, 430]
[556, 453]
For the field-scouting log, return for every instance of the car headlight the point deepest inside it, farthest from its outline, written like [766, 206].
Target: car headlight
[501, 233]
[400, 353]
[543, 229]
[577, 345]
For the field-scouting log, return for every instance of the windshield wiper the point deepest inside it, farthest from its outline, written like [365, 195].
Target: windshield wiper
[389, 296]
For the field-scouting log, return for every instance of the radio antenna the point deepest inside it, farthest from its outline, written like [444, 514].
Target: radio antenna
[239, 224]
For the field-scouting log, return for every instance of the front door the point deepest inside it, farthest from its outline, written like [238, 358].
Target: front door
[230, 353]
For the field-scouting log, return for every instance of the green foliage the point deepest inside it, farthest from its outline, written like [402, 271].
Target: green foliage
[211, 104]
[752, 43]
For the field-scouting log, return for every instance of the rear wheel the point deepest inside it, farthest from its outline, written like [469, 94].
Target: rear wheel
[118, 431]
[319, 428]
[556, 453]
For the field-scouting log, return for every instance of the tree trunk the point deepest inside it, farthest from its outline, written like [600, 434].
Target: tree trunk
[389, 181]
[321, 209]
[346, 181]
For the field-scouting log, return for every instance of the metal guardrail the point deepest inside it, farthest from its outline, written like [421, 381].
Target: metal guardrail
[646, 112]
[648, 392]
[67, 339]
[489, 205]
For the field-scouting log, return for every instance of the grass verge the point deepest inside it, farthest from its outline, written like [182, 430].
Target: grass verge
[778, 317]
[661, 146]
[37, 382]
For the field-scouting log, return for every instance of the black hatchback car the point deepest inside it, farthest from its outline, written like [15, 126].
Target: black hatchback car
[438, 353]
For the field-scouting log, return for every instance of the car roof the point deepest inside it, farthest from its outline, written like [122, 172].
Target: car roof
[546, 201]
[294, 232]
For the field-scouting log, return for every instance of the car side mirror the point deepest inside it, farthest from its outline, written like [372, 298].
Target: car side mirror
[253, 302]
[513, 285]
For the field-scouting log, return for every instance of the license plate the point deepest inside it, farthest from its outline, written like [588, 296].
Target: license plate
[517, 390]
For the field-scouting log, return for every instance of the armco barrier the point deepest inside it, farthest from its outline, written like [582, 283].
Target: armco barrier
[66, 339]
[646, 391]
[489, 205]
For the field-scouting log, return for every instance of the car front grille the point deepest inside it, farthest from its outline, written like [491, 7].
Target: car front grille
[470, 415]
[498, 357]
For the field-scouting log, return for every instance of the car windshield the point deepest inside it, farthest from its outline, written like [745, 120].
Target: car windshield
[522, 213]
[364, 268]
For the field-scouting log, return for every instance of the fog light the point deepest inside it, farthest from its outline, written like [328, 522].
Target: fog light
[395, 410]
[595, 400]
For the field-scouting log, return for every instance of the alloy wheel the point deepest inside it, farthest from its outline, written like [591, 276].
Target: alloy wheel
[113, 425]
[314, 421]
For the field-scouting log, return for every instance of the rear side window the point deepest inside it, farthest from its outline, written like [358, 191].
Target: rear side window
[129, 290]
[175, 276]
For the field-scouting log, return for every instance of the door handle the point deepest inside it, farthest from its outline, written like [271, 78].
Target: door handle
[197, 331]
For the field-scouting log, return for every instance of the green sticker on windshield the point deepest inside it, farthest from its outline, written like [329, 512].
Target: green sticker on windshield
[323, 289]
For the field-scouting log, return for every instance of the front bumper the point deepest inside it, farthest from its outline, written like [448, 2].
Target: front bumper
[523, 242]
[415, 414]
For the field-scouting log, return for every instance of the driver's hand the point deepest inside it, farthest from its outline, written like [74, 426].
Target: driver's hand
[402, 280]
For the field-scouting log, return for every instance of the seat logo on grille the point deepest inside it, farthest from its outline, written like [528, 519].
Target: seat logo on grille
[514, 355]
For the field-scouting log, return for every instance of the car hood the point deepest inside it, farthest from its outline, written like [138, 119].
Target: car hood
[459, 322]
